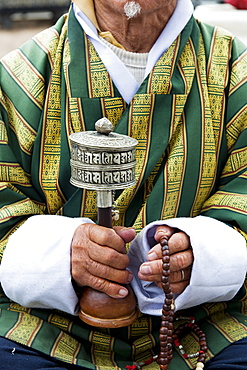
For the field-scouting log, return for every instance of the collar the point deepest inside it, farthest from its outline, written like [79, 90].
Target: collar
[87, 6]
[123, 79]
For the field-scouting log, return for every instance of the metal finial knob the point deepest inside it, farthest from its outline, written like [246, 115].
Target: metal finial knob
[104, 126]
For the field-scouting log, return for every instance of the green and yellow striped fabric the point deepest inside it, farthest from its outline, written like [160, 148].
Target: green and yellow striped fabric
[190, 119]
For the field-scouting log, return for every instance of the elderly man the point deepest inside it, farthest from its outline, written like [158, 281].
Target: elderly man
[177, 86]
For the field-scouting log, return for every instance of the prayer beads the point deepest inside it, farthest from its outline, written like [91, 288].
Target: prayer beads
[168, 336]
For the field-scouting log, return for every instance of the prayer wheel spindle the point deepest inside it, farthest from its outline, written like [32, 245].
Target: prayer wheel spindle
[104, 161]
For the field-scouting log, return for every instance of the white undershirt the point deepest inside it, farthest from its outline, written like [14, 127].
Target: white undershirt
[136, 63]
[35, 270]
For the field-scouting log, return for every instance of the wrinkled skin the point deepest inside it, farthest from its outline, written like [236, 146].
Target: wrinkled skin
[99, 259]
[139, 33]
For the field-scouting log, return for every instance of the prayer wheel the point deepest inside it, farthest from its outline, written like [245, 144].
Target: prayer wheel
[104, 161]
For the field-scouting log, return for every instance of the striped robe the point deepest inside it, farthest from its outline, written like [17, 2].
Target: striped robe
[189, 117]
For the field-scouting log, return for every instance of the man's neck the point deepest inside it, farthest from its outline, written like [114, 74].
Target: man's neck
[137, 34]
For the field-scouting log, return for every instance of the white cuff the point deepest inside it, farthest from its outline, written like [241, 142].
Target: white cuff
[219, 268]
[35, 270]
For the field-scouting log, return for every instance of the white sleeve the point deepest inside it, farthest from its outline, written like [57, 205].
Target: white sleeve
[35, 270]
[219, 267]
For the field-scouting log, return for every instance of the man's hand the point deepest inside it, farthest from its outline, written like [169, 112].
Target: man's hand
[99, 258]
[181, 260]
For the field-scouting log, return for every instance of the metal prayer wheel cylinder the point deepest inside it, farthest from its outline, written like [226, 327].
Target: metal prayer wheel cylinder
[102, 160]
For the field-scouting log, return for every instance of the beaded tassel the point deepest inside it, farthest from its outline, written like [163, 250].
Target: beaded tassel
[191, 325]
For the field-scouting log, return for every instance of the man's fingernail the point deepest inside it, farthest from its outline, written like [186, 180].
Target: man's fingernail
[162, 232]
[152, 256]
[130, 277]
[146, 270]
[123, 292]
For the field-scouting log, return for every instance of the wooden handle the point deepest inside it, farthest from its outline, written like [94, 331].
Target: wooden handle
[105, 217]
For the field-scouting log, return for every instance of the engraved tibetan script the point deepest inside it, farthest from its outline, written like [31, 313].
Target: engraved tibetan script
[103, 177]
[102, 158]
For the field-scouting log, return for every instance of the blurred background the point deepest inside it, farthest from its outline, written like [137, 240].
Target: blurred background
[22, 19]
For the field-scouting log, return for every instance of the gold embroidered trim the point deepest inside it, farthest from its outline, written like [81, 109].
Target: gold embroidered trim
[51, 137]
[25, 329]
[26, 76]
